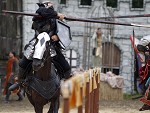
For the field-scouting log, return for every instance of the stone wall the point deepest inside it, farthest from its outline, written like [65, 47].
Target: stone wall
[98, 9]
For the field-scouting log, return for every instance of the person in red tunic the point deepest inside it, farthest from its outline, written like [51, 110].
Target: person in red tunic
[11, 76]
[144, 72]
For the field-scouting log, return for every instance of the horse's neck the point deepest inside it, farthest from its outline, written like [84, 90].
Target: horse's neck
[45, 72]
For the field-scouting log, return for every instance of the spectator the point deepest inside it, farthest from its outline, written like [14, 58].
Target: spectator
[11, 76]
[97, 48]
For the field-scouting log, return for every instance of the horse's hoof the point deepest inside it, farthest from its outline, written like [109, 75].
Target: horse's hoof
[144, 107]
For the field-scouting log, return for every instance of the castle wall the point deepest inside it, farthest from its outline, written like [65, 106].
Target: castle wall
[98, 9]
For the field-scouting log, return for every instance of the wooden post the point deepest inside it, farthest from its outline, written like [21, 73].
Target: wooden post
[97, 93]
[0, 87]
[80, 108]
[66, 105]
[91, 98]
[95, 100]
[87, 98]
[65, 95]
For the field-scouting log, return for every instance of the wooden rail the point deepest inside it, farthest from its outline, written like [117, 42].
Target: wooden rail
[82, 92]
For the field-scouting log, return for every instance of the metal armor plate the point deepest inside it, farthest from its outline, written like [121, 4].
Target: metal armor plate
[40, 47]
[64, 33]
[29, 49]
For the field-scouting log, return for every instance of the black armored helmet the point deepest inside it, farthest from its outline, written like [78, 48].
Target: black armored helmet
[44, 4]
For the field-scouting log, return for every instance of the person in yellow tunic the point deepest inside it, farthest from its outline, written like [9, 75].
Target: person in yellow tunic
[11, 76]
[97, 48]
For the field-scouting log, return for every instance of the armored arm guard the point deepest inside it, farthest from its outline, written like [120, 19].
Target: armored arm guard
[29, 49]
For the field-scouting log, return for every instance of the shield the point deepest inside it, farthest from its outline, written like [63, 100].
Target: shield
[64, 33]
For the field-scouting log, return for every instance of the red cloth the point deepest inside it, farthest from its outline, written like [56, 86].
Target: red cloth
[145, 99]
[143, 72]
[9, 68]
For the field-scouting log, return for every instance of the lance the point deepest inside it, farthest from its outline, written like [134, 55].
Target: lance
[127, 16]
[79, 19]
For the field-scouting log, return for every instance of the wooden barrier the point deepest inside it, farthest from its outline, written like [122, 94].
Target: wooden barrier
[0, 86]
[82, 92]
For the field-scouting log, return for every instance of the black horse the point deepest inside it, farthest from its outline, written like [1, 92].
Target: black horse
[43, 84]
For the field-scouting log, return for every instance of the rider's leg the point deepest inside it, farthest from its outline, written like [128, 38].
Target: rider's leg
[62, 65]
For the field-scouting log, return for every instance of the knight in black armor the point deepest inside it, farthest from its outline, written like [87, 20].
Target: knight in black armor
[45, 23]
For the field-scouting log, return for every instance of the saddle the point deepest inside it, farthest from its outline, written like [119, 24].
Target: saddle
[45, 88]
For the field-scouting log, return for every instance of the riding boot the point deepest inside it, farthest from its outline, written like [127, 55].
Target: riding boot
[67, 74]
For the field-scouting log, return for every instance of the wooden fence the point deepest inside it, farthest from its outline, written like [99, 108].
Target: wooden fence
[82, 92]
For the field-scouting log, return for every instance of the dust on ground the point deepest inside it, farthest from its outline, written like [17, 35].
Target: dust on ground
[125, 106]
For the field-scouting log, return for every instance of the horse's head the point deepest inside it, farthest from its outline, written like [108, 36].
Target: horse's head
[39, 63]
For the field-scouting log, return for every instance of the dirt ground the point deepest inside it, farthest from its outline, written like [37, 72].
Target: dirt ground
[125, 106]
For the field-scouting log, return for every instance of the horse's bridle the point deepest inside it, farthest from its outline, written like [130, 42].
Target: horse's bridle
[46, 57]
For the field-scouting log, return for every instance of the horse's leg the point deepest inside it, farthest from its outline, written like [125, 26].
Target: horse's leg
[51, 108]
[38, 108]
[54, 106]
[30, 99]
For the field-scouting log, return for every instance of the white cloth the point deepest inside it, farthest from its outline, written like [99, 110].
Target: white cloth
[115, 81]
[145, 40]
